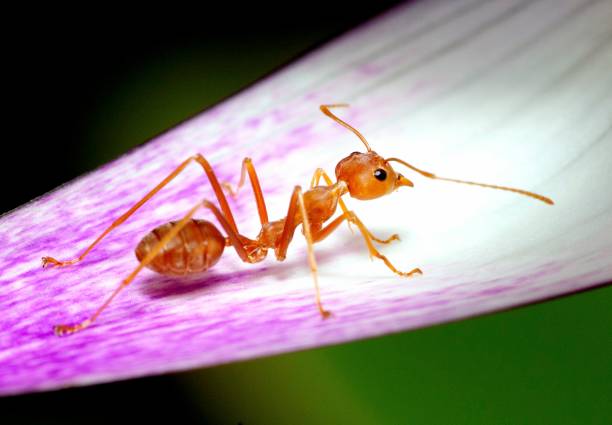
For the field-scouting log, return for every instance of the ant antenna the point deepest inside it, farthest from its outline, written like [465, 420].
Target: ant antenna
[326, 111]
[491, 186]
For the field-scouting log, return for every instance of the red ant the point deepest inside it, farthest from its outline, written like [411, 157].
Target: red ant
[193, 246]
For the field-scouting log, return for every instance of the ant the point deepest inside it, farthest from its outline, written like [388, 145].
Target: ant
[192, 246]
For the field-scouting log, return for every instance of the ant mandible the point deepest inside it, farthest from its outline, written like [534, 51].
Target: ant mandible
[192, 246]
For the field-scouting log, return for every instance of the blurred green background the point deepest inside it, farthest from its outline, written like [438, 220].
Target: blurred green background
[95, 92]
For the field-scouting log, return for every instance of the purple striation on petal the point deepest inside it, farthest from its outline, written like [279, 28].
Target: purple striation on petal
[516, 93]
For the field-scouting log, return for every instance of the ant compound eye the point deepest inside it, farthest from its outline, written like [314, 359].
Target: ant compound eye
[380, 174]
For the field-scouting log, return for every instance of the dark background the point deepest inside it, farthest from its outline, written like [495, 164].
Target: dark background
[83, 86]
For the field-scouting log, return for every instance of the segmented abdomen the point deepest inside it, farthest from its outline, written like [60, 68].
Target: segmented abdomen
[196, 248]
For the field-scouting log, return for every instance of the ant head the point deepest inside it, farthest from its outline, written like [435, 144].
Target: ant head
[369, 176]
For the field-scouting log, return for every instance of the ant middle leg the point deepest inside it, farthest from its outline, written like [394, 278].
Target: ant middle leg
[50, 261]
[297, 203]
[247, 166]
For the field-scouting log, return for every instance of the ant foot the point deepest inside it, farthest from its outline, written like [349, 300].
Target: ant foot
[325, 314]
[49, 262]
[413, 272]
[52, 262]
[63, 330]
[230, 190]
[410, 273]
[393, 237]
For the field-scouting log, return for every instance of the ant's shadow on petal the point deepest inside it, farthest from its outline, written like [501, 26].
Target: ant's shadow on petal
[159, 286]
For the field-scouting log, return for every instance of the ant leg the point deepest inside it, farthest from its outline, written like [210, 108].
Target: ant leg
[315, 181]
[393, 237]
[320, 234]
[316, 177]
[239, 242]
[235, 239]
[289, 227]
[69, 329]
[297, 201]
[350, 216]
[247, 166]
[211, 177]
[373, 251]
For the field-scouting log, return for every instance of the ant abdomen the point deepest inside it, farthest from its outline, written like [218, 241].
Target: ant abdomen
[196, 248]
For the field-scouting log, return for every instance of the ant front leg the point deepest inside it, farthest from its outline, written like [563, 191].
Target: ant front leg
[50, 261]
[373, 251]
[315, 181]
[367, 237]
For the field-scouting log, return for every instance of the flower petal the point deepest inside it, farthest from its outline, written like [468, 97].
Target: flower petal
[513, 93]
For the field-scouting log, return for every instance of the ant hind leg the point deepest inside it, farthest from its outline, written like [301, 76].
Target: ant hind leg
[61, 330]
[235, 239]
[50, 261]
